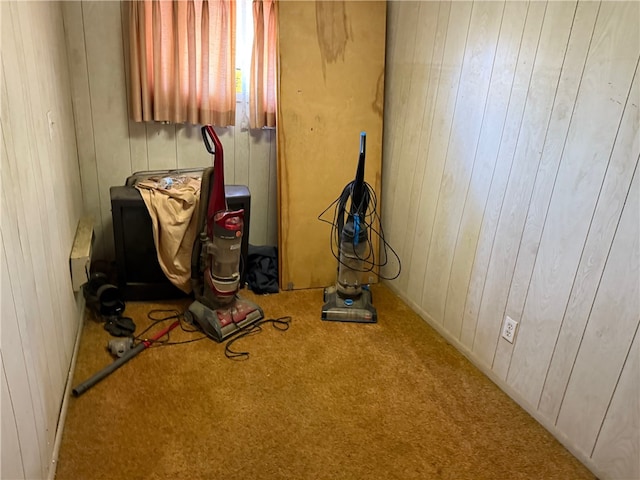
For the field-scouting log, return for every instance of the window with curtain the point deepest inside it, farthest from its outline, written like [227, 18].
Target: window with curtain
[183, 59]
[262, 93]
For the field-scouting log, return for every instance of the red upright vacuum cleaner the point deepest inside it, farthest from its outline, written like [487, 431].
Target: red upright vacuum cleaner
[215, 268]
[215, 261]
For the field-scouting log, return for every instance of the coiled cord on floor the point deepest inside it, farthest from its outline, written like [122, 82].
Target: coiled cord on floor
[282, 324]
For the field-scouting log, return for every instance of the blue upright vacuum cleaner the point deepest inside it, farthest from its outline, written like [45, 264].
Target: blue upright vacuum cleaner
[355, 217]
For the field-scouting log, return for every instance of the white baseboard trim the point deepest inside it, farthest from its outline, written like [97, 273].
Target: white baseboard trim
[80, 306]
[505, 387]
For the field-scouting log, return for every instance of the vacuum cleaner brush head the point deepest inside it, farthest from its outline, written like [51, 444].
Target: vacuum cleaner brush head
[357, 310]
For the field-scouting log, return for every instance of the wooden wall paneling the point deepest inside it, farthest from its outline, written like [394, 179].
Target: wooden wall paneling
[447, 90]
[190, 149]
[138, 152]
[41, 179]
[108, 104]
[68, 190]
[41, 203]
[470, 104]
[81, 100]
[38, 372]
[32, 340]
[408, 131]
[413, 278]
[502, 171]
[139, 156]
[615, 188]
[67, 186]
[394, 11]
[258, 183]
[20, 273]
[617, 450]
[604, 90]
[227, 138]
[20, 359]
[242, 155]
[242, 146]
[27, 187]
[320, 119]
[48, 161]
[400, 52]
[429, 36]
[161, 146]
[552, 148]
[21, 417]
[11, 457]
[493, 123]
[609, 333]
[440, 129]
[547, 63]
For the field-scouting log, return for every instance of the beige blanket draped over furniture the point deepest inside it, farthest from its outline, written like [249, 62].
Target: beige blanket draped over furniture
[174, 218]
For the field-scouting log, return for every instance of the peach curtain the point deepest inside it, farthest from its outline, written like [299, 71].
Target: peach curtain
[262, 94]
[182, 55]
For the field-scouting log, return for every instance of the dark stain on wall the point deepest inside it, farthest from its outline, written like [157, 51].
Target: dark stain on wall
[333, 31]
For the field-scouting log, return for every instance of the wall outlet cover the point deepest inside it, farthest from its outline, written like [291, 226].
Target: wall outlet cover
[509, 329]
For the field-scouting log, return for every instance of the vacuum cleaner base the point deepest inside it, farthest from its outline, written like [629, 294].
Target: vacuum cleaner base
[358, 310]
[226, 321]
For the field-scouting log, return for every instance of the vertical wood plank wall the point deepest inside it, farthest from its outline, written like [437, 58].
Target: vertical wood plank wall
[41, 204]
[510, 187]
[111, 147]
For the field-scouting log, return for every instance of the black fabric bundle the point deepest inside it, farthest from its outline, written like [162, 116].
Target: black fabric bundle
[262, 269]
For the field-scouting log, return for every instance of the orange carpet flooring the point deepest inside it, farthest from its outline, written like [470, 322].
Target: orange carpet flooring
[322, 400]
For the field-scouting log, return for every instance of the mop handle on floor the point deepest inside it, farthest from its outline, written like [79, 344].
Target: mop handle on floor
[105, 372]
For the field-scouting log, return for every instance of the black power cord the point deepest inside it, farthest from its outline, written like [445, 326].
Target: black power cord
[170, 315]
[369, 218]
[282, 324]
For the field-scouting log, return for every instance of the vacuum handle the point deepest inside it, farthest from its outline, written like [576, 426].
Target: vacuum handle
[357, 193]
[208, 131]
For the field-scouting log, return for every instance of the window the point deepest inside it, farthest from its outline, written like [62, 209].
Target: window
[183, 61]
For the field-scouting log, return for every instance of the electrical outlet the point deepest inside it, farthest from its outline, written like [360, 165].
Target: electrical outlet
[509, 329]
